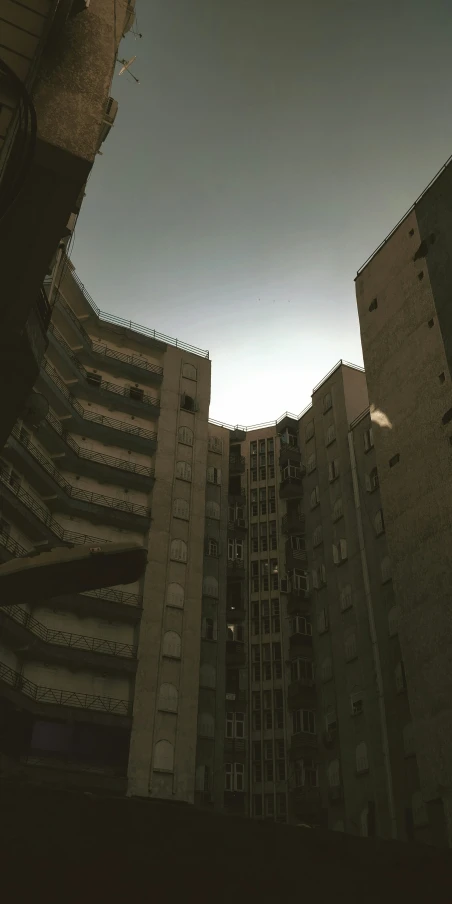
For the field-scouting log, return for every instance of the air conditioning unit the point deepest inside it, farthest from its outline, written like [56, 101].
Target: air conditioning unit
[109, 117]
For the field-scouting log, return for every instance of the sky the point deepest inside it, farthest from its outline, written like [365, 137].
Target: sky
[268, 149]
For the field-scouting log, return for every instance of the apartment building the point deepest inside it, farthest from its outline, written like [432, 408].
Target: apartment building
[403, 297]
[103, 687]
[57, 60]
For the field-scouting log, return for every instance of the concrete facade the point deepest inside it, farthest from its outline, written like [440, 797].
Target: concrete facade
[404, 310]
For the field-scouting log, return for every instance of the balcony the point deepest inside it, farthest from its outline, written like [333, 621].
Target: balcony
[235, 653]
[237, 527]
[91, 423]
[291, 485]
[295, 558]
[236, 614]
[235, 746]
[109, 603]
[236, 464]
[293, 524]
[118, 361]
[30, 638]
[236, 568]
[300, 642]
[289, 455]
[303, 745]
[301, 694]
[298, 602]
[236, 497]
[50, 702]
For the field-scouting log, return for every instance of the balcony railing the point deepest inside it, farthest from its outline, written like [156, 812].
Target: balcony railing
[43, 308]
[236, 566]
[100, 349]
[67, 536]
[68, 639]
[291, 524]
[62, 698]
[236, 464]
[75, 492]
[100, 457]
[94, 416]
[116, 596]
[12, 546]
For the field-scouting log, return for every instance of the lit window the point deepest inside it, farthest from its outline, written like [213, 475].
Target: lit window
[183, 470]
[179, 550]
[185, 435]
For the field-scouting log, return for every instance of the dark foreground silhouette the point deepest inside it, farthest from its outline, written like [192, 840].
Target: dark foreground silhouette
[70, 846]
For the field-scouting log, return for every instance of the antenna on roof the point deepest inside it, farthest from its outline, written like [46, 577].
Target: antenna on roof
[125, 67]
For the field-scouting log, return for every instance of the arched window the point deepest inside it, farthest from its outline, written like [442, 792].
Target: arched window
[212, 510]
[309, 432]
[181, 509]
[210, 586]
[385, 569]
[206, 725]
[214, 475]
[327, 669]
[207, 675]
[333, 774]
[420, 815]
[179, 550]
[209, 628]
[393, 621]
[314, 498]
[327, 401]
[183, 470]
[317, 535]
[330, 434]
[361, 758]
[350, 647]
[189, 371]
[175, 596]
[168, 698]
[172, 644]
[164, 756]
[337, 509]
[345, 597]
[311, 463]
[185, 435]
[379, 524]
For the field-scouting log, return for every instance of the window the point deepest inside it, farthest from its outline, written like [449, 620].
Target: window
[189, 371]
[311, 463]
[172, 645]
[302, 670]
[214, 475]
[178, 550]
[183, 470]
[206, 725]
[236, 633]
[93, 379]
[408, 739]
[331, 720]
[202, 778]
[330, 434]
[5, 528]
[299, 581]
[234, 777]
[333, 470]
[256, 699]
[327, 402]
[268, 750]
[254, 503]
[188, 403]
[257, 766]
[420, 815]
[303, 720]
[385, 568]
[257, 751]
[181, 509]
[322, 621]
[309, 432]
[164, 756]
[357, 703]
[339, 552]
[269, 805]
[235, 725]
[291, 472]
[263, 500]
[262, 473]
[269, 772]
[213, 510]
[379, 523]
[212, 547]
[314, 498]
[175, 596]
[257, 804]
[306, 774]
[393, 621]
[168, 698]
[253, 475]
[400, 677]
[207, 675]
[319, 577]
[350, 647]
[209, 629]
[337, 509]
[327, 669]
[185, 435]
[235, 550]
[345, 597]
[372, 481]
[210, 586]
[368, 437]
[300, 625]
[317, 536]
[334, 774]
[215, 444]
[394, 460]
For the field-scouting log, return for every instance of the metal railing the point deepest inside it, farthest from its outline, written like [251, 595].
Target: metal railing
[12, 546]
[75, 492]
[67, 536]
[66, 638]
[43, 308]
[291, 523]
[136, 327]
[94, 416]
[62, 698]
[116, 596]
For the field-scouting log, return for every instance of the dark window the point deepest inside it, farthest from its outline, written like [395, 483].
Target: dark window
[93, 379]
[373, 305]
[136, 393]
[394, 460]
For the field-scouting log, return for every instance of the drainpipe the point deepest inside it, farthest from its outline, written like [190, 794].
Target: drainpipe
[373, 637]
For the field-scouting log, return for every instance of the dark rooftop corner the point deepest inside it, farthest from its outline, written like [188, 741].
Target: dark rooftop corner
[77, 844]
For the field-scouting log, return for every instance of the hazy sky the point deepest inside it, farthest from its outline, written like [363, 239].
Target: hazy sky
[268, 149]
